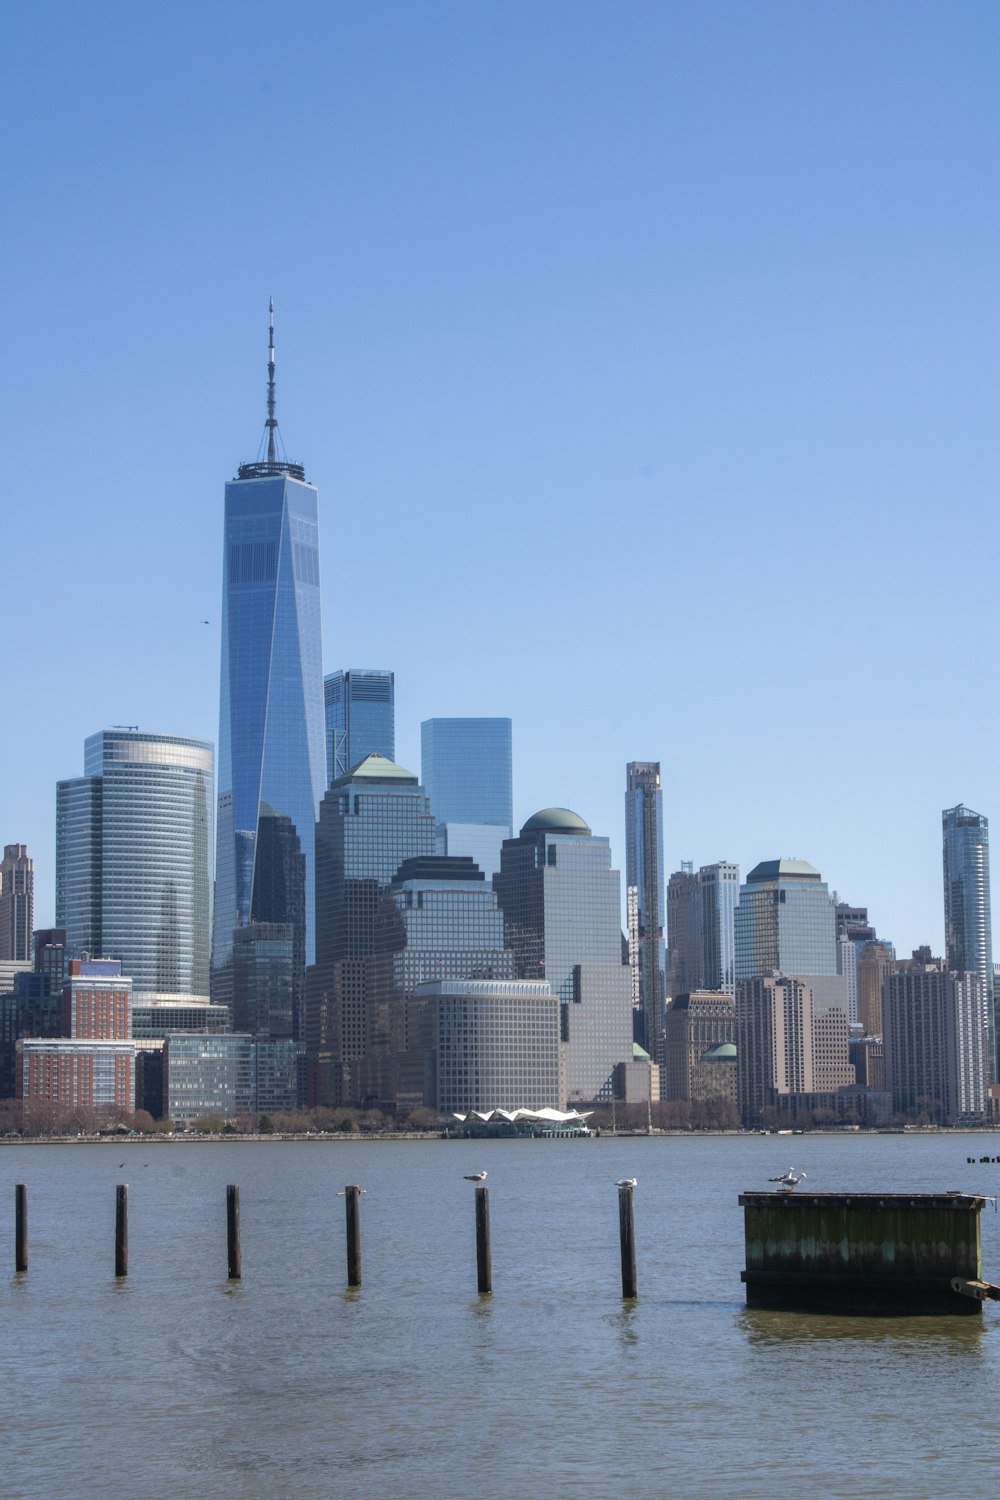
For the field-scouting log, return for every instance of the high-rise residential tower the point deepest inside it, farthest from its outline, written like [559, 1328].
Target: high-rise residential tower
[466, 770]
[134, 858]
[934, 1041]
[644, 898]
[17, 904]
[360, 718]
[561, 903]
[272, 758]
[967, 923]
[718, 895]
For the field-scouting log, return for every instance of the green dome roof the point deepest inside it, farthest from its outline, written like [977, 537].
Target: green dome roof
[723, 1052]
[555, 820]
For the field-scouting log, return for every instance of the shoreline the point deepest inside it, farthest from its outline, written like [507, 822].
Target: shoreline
[337, 1137]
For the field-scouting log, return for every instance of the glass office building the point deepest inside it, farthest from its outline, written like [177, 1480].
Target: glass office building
[644, 898]
[465, 766]
[370, 821]
[134, 858]
[272, 757]
[561, 904]
[466, 771]
[785, 922]
[967, 920]
[360, 718]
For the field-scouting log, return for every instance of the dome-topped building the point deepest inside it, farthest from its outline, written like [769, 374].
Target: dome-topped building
[556, 820]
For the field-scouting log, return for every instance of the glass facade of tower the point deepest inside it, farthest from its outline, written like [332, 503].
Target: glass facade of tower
[465, 767]
[645, 897]
[967, 919]
[718, 894]
[785, 922]
[134, 858]
[561, 904]
[452, 922]
[371, 820]
[272, 761]
[360, 718]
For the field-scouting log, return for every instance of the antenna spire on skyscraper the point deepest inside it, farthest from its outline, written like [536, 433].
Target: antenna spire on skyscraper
[272, 421]
[267, 464]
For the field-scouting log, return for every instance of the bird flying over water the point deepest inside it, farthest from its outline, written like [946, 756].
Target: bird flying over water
[627, 1182]
[475, 1176]
[789, 1182]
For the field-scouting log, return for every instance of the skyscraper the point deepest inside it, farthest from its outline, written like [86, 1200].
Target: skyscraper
[644, 898]
[785, 921]
[17, 904]
[684, 943]
[561, 903]
[466, 770]
[360, 718]
[452, 929]
[134, 858]
[967, 922]
[272, 760]
[718, 895]
[371, 820]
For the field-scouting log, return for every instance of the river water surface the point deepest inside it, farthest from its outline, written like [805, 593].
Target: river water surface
[176, 1383]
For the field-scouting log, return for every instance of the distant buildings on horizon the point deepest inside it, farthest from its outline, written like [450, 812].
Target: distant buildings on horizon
[373, 937]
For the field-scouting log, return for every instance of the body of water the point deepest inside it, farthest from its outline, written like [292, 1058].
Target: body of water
[287, 1386]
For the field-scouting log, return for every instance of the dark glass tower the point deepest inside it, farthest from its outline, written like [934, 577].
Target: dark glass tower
[272, 762]
[967, 922]
[371, 820]
[644, 898]
[360, 718]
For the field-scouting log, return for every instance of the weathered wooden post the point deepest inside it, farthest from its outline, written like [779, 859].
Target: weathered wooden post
[626, 1231]
[352, 1198]
[21, 1227]
[121, 1229]
[233, 1231]
[484, 1258]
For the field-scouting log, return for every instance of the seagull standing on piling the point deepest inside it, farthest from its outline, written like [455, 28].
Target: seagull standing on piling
[627, 1182]
[789, 1182]
[475, 1176]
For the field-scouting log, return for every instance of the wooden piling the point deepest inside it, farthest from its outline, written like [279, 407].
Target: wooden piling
[21, 1227]
[626, 1231]
[121, 1229]
[352, 1200]
[233, 1231]
[484, 1256]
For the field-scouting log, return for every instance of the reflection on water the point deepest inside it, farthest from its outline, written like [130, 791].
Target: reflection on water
[764, 1327]
[291, 1386]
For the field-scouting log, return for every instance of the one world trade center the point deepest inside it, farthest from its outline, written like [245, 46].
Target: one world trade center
[271, 762]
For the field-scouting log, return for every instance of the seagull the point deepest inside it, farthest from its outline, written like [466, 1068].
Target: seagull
[475, 1176]
[789, 1182]
[343, 1194]
[627, 1182]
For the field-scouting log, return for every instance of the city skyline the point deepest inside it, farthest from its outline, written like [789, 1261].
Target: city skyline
[640, 293]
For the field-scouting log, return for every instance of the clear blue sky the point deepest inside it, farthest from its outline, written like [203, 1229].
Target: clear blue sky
[645, 357]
